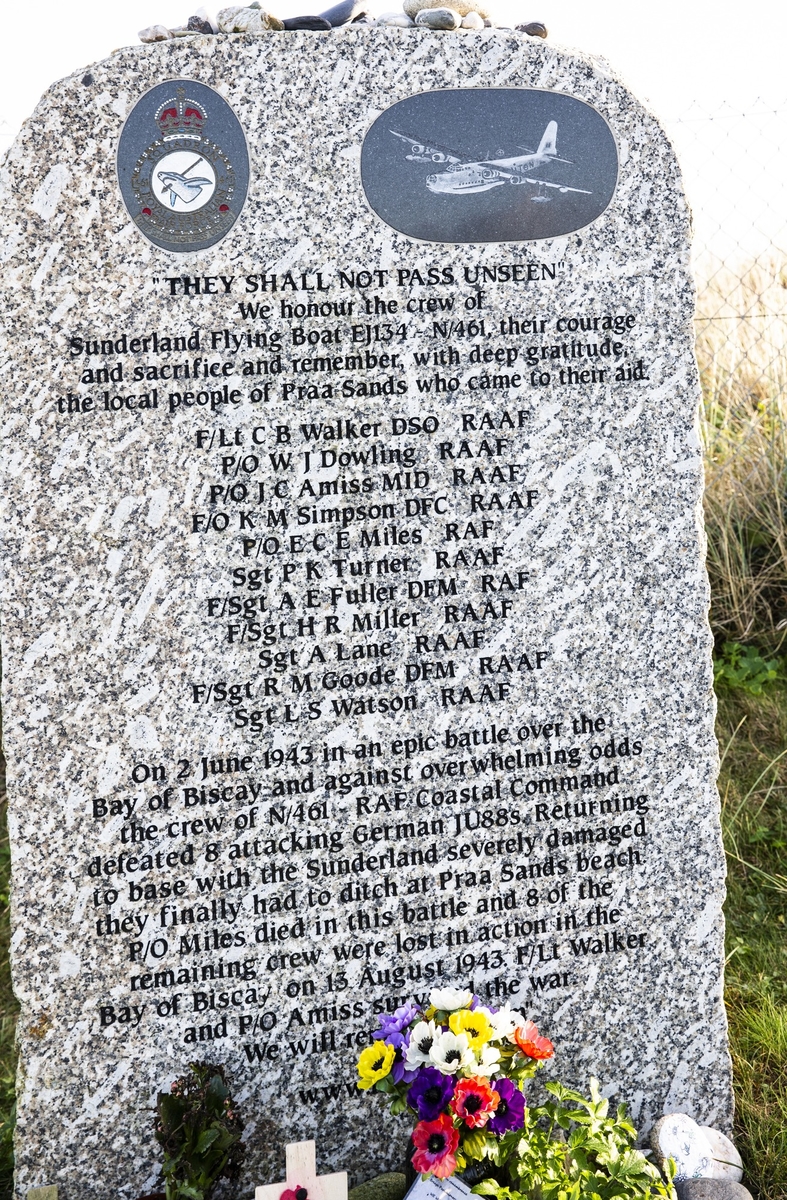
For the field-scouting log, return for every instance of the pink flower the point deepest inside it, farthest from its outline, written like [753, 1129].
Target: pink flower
[474, 1102]
[435, 1146]
[531, 1043]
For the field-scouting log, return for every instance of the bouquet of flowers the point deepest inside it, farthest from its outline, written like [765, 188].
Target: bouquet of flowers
[458, 1068]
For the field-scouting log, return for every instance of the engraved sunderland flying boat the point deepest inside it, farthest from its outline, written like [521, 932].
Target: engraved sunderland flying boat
[462, 175]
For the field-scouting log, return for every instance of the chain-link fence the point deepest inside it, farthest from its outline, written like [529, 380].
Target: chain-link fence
[735, 170]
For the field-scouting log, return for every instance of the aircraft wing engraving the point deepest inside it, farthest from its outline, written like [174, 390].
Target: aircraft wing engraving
[561, 187]
[420, 152]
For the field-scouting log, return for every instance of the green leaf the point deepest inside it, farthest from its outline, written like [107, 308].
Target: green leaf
[474, 1143]
[206, 1139]
[218, 1088]
[744, 667]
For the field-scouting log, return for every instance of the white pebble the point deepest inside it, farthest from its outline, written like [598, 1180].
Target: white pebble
[155, 33]
[727, 1162]
[472, 21]
[225, 18]
[246, 19]
[678, 1136]
[398, 20]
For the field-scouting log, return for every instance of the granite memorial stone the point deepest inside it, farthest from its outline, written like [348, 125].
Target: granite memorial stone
[354, 610]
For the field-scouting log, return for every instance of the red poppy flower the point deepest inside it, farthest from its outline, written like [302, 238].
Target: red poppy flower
[474, 1102]
[531, 1043]
[435, 1145]
[297, 1193]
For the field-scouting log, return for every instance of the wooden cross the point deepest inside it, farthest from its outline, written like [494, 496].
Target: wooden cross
[301, 1172]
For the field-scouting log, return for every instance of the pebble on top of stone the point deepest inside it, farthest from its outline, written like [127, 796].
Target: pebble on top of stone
[439, 18]
[463, 7]
[154, 33]
[251, 19]
[344, 12]
[534, 29]
[445, 15]
[397, 20]
[306, 23]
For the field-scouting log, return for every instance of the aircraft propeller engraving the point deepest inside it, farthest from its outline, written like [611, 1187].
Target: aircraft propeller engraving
[462, 175]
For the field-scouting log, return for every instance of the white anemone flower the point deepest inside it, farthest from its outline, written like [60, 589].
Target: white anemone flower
[505, 1021]
[422, 1038]
[487, 1062]
[449, 999]
[450, 1052]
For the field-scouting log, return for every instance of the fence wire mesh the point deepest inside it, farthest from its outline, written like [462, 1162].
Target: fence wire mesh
[735, 171]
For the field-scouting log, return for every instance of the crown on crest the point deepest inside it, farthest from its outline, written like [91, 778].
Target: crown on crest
[180, 115]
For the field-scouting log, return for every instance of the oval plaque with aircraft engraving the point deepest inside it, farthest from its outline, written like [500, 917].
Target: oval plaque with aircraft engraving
[183, 166]
[489, 165]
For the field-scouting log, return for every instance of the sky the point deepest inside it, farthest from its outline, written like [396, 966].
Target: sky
[713, 72]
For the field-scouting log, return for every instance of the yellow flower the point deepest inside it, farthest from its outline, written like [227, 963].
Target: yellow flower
[374, 1064]
[474, 1025]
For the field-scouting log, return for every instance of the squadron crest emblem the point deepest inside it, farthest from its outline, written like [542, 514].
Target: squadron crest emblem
[183, 166]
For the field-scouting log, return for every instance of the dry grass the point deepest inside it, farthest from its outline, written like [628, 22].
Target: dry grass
[742, 352]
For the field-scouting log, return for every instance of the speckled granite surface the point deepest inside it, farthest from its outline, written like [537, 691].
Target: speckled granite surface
[145, 660]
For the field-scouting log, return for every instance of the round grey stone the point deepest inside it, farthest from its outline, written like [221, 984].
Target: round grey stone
[439, 18]
[534, 28]
[306, 23]
[711, 1189]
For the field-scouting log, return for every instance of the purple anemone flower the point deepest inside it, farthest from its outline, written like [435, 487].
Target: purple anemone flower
[399, 1072]
[392, 1025]
[510, 1111]
[430, 1093]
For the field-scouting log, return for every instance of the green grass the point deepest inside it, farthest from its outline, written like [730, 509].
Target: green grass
[753, 735]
